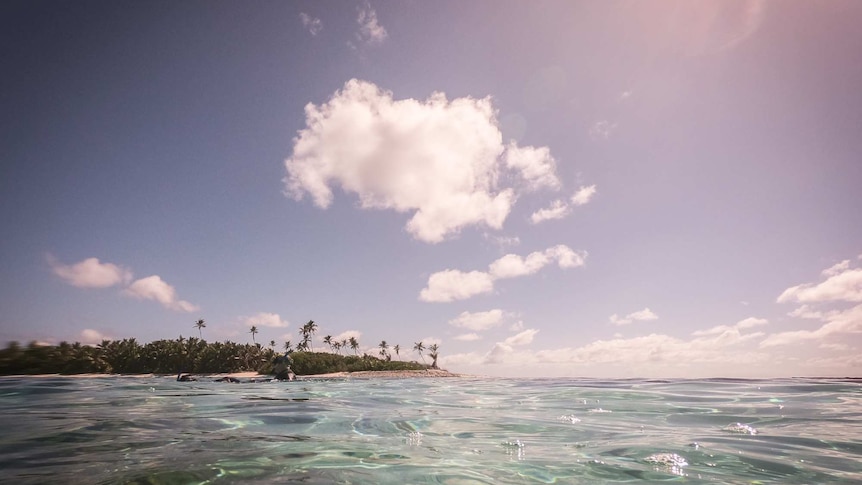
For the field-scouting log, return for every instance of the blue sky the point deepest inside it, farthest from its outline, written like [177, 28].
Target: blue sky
[609, 189]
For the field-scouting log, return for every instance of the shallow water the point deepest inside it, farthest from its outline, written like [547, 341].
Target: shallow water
[448, 431]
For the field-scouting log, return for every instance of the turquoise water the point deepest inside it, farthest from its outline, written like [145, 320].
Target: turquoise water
[452, 431]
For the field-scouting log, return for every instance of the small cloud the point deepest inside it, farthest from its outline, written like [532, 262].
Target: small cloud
[370, 30]
[153, 288]
[601, 130]
[740, 325]
[478, 321]
[313, 25]
[452, 284]
[584, 195]
[346, 335]
[90, 273]
[643, 315]
[517, 326]
[512, 265]
[625, 95]
[264, 319]
[468, 337]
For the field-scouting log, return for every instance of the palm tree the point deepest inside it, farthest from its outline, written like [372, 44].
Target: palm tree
[253, 331]
[303, 344]
[354, 345]
[397, 350]
[419, 347]
[200, 324]
[312, 327]
[383, 348]
[433, 353]
[328, 341]
[336, 346]
[272, 344]
[288, 346]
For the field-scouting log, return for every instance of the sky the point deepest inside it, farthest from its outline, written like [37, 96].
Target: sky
[612, 189]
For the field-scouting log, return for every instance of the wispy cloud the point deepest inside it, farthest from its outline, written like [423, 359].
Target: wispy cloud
[443, 161]
[640, 316]
[559, 209]
[312, 24]
[601, 130]
[453, 284]
[370, 30]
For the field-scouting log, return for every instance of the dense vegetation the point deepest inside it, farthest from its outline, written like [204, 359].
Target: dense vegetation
[191, 355]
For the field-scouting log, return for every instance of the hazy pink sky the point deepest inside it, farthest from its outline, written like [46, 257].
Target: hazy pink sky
[552, 188]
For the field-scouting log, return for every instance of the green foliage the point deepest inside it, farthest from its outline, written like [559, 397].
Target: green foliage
[192, 355]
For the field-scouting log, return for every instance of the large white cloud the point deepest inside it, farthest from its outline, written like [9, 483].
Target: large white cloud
[453, 284]
[154, 288]
[442, 161]
[90, 273]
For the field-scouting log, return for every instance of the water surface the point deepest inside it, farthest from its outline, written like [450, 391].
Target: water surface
[446, 431]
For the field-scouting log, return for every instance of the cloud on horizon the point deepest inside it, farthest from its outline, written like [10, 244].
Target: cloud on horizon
[452, 284]
[721, 345]
[842, 285]
[442, 161]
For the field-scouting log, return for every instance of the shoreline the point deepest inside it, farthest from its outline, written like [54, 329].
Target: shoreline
[373, 374]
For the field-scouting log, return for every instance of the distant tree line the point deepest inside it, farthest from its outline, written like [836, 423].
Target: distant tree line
[192, 355]
[195, 355]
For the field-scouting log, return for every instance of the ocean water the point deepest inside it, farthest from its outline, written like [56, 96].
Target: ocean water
[439, 431]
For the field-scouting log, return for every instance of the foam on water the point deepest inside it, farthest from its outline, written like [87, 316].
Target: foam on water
[452, 431]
